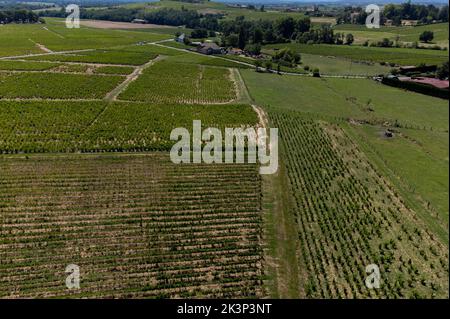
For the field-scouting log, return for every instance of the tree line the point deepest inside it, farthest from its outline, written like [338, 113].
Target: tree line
[396, 13]
[18, 16]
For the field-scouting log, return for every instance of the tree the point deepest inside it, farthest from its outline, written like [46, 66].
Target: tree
[303, 25]
[242, 38]
[268, 65]
[199, 33]
[258, 64]
[349, 38]
[286, 27]
[426, 36]
[232, 40]
[442, 71]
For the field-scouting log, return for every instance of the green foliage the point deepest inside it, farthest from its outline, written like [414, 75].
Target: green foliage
[426, 36]
[168, 82]
[56, 85]
[63, 126]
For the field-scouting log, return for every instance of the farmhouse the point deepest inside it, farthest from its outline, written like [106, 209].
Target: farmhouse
[209, 48]
[410, 22]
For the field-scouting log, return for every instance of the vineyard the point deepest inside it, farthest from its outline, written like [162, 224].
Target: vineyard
[63, 126]
[349, 216]
[100, 56]
[168, 82]
[55, 85]
[136, 225]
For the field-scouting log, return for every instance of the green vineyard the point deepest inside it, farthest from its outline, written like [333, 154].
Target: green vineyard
[63, 126]
[349, 216]
[56, 85]
[136, 225]
[168, 82]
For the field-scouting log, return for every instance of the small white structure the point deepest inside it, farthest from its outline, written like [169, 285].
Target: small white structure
[180, 38]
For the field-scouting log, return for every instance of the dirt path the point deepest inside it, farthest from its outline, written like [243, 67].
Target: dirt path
[112, 96]
[262, 116]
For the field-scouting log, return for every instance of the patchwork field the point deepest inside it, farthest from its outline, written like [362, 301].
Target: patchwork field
[85, 175]
[136, 225]
[354, 196]
[403, 34]
[166, 82]
[54, 85]
[340, 66]
[349, 217]
[18, 39]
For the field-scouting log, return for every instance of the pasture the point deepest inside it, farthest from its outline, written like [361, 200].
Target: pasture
[56, 85]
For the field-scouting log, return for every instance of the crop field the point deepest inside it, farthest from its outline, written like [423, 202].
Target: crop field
[100, 56]
[63, 126]
[400, 56]
[361, 99]
[86, 178]
[338, 66]
[425, 151]
[404, 34]
[357, 197]
[54, 85]
[136, 225]
[122, 70]
[349, 216]
[192, 58]
[26, 66]
[168, 82]
[21, 39]
[215, 8]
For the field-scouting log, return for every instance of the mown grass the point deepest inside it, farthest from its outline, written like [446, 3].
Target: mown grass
[403, 34]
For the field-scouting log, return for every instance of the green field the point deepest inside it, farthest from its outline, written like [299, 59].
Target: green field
[328, 148]
[348, 98]
[340, 66]
[216, 8]
[137, 225]
[62, 126]
[86, 177]
[399, 56]
[169, 82]
[56, 86]
[26, 66]
[403, 34]
[22, 39]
